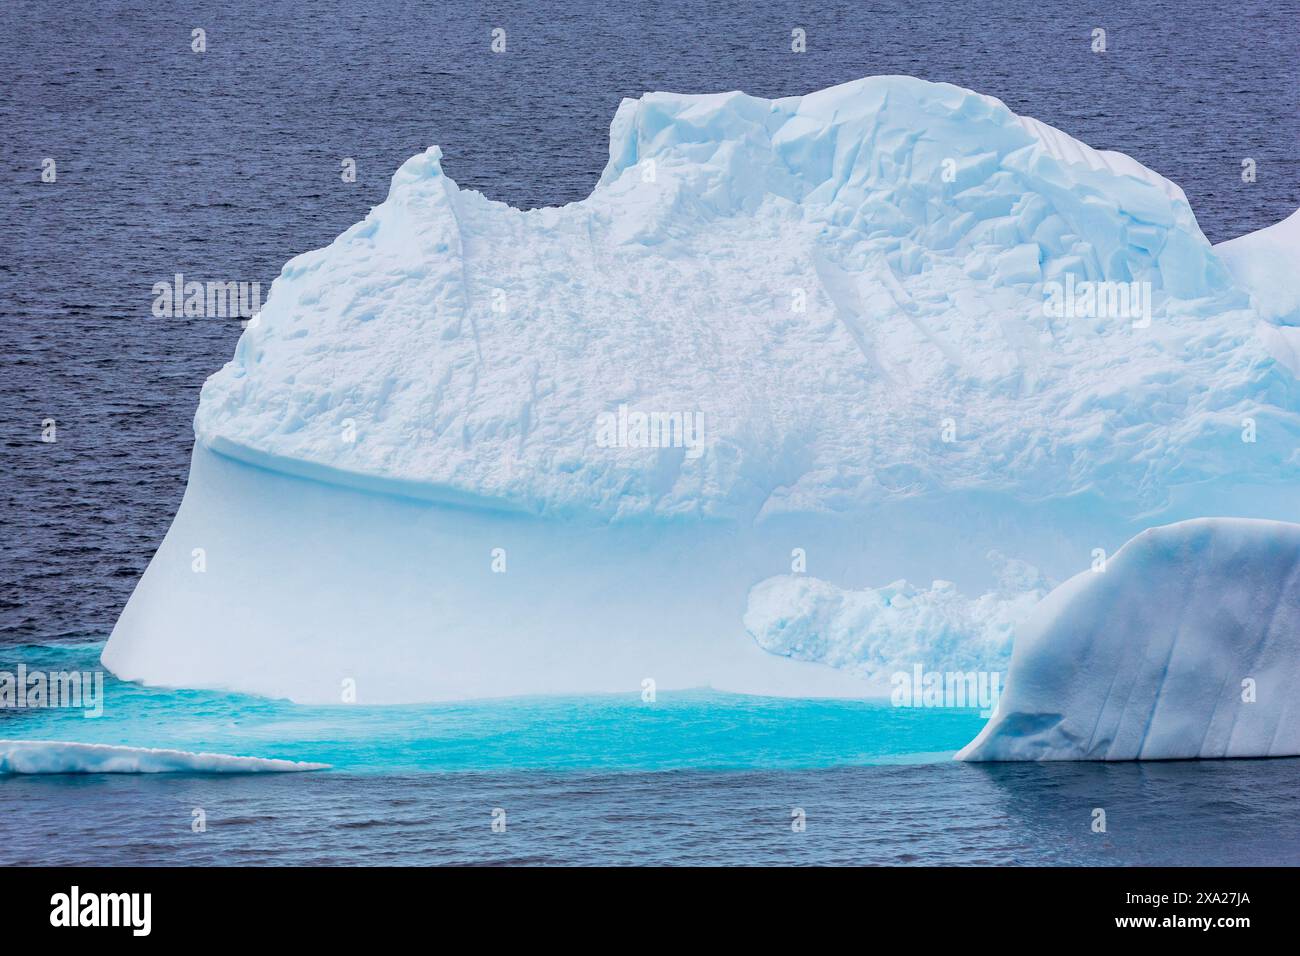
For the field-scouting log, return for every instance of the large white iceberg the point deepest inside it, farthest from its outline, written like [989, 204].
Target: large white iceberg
[1184, 644]
[469, 450]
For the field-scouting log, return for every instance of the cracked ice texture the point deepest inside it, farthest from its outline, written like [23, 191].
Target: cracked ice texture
[1155, 657]
[473, 347]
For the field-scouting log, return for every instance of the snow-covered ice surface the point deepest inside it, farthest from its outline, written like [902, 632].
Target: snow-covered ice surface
[56, 756]
[1186, 645]
[845, 288]
[473, 347]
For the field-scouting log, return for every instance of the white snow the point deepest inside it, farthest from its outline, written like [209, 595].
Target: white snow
[57, 756]
[846, 289]
[1186, 645]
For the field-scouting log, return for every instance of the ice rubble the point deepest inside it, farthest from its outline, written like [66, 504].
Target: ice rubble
[847, 287]
[877, 632]
[56, 756]
[1186, 645]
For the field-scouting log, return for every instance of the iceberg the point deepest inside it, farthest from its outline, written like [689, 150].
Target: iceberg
[56, 756]
[1186, 643]
[468, 450]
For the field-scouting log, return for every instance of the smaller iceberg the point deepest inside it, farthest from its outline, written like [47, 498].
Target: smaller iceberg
[1185, 644]
[56, 756]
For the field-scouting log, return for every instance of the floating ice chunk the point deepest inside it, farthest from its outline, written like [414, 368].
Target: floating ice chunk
[57, 756]
[1186, 645]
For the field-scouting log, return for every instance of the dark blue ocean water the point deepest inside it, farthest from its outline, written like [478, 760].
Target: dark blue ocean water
[1226, 813]
[223, 165]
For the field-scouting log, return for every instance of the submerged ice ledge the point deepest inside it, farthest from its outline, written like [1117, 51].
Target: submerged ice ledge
[56, 756]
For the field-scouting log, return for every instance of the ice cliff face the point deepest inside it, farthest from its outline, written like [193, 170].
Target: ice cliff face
[1187, 644]
[844, 291]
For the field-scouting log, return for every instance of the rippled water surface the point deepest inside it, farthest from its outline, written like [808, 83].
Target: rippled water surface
[225, 165]
[695, 777]
[1224, 813]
